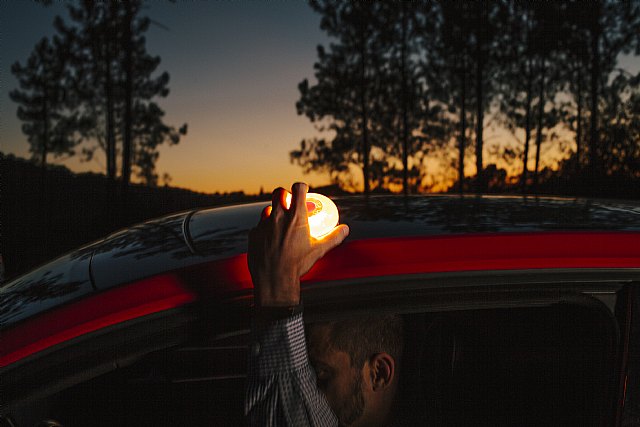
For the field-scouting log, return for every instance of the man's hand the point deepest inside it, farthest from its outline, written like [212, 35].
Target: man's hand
[281, 249]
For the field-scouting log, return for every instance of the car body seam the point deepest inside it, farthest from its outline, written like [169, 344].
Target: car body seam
[186, 234]
[91, 278]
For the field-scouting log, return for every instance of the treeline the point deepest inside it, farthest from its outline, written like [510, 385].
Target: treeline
[93, 87]
[406, 82]
[47, 212]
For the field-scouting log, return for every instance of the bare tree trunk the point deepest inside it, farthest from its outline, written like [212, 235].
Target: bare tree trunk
[463, 127]
[594, 142]
[128, 110]
[541, 102]
[527, 127]
[110, 33]
[45, 194]
[108, 89]
[111, 143]
[579, 122]
[405, 125]
[480, 184]
[45, 136]
[363, 107]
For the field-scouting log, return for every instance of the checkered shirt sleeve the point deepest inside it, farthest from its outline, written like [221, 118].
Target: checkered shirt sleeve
[281, 385]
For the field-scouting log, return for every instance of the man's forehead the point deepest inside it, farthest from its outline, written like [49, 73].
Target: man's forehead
[319, 343]
[318, 335]
[321, 350]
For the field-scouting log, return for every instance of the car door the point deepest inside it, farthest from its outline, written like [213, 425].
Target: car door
[490, 348]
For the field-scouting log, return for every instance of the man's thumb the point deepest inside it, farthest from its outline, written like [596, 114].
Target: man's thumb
[333, 239]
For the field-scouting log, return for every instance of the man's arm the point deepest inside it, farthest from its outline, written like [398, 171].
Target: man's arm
[281, 387]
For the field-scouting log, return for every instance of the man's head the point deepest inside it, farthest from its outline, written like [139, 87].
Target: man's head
[356, 363]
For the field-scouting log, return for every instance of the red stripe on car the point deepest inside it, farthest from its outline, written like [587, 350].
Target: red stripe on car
[91, 314]
[353, 259]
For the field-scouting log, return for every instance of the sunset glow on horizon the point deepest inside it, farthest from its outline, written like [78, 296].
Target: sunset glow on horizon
[234, 72]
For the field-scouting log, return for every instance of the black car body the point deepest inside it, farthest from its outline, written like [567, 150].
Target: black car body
[518, 311]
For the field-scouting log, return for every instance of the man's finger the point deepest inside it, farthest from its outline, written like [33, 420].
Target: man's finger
[278, 200]
[333, 239]
[266, 212]
[299, 199]
[251, 247]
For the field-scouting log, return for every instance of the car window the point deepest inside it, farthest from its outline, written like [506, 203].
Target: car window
[530, 364]
[517, 366]
[194, 385]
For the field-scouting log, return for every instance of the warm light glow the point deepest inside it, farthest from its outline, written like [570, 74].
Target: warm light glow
[322, 212]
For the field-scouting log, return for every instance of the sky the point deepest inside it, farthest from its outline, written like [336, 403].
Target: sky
[234, 67]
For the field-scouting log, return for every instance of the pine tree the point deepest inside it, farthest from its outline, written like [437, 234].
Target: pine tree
[453, 57]
[114, 76]
[612, 27]
[404, 113]
[344, 97]
[620, 115]
[50, 117]
[93, 38]
[370, 93]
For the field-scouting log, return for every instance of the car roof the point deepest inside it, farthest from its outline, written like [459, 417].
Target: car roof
[214, 234]
[222, 232]
[208, 236]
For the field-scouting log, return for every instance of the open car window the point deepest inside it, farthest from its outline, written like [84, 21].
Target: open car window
[550, 365]
[534, 362]
[194, 385]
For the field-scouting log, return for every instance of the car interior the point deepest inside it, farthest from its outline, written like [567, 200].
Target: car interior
[534, 364]
[519, 366]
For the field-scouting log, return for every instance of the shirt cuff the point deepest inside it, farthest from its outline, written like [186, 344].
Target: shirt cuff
[278, 347]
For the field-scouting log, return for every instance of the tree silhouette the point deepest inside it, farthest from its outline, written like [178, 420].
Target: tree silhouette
[488, 19]
[401, 110]
[370, 92]
[93, 40]
[454, 54]
[620, 128]
[331, 108]
[343, 98]
[470, 38]
[49, 113]
[612, 27]
[575, 49]
[525, 43]
[114, 77]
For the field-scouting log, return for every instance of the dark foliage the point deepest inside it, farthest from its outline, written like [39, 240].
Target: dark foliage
[404, 83]
[45, 213]
[96, 81]
[48, 111]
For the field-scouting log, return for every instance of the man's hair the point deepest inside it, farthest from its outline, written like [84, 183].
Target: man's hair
[362, 337]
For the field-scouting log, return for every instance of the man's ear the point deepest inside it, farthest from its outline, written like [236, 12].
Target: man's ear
[383, 371]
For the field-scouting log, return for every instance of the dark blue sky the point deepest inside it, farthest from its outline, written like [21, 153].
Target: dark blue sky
[234, 66]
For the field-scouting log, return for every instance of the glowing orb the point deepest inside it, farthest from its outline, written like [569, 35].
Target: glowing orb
[322, 213]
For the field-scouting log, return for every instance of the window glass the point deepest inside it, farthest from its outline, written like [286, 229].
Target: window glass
[525, 366]
[553, 364]
[192, 385]
[538, 365]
